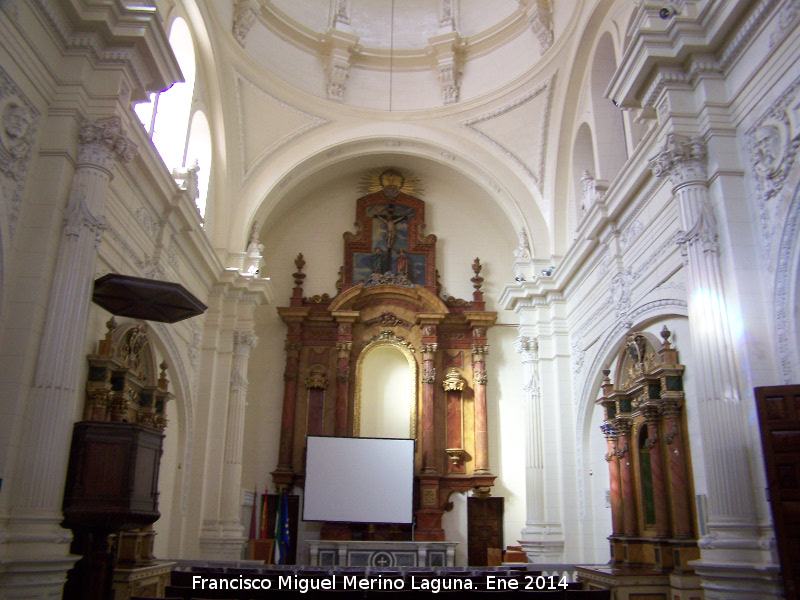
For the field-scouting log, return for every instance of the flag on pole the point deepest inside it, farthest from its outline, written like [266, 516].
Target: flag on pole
[282, 537]
[264, 533]
[254, 516]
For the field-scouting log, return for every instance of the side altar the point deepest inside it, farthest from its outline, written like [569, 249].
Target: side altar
[388, 293]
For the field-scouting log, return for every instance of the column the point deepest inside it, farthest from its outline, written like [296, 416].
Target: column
[623, 427]
[528, 349]
[731, 507]
[38, 485]
[428, 378]
[653, 444]
[479, 351]
[290, 373]
[344, 346]
[615, 485]
[231, 524]
[676, 458]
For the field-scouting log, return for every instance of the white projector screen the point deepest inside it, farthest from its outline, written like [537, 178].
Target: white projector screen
[359, 480]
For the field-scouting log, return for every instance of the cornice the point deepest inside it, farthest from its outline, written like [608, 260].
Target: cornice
[702, 40]
[115, 33]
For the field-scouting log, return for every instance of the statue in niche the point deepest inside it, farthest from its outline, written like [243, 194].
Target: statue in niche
[390, 223]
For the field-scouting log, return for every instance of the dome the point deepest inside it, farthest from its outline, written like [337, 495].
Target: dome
[394, 54]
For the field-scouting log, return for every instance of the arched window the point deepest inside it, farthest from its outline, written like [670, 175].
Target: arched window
[166, 116]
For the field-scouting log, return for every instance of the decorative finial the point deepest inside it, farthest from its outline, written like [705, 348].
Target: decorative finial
[438, 284]
[340, 281]
[299, 276]
[665, 334]
[477, 281]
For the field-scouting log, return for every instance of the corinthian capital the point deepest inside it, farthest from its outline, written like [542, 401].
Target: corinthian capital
[683, 160]
[243, 341]
[527, 347]
[103, 141]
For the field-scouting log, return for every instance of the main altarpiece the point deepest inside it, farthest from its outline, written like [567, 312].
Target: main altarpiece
[388, 293]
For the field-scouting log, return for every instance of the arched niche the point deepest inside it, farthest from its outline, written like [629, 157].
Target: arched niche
[386, 392]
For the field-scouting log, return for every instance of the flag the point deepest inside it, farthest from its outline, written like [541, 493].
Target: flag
[253, 516]
[264, 534]
[282, 538]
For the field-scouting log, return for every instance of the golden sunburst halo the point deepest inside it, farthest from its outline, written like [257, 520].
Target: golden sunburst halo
[382, 178]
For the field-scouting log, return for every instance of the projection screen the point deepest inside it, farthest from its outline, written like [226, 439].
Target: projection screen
[359, 480]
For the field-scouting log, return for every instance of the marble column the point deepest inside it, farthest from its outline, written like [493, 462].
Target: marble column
[38, 483]
[428, 379]
[678, 483]
[344, 347]
[731, 505]
[615, 484]
[653, 444]
[290, 373]
[629, 522]
[479, 352]
[231, 524]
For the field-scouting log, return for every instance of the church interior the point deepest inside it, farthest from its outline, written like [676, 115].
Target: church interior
[553, 243]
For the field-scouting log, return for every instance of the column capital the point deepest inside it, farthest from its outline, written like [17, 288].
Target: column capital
[243, 341]
[103, 141]
[684, 159]
[527, 348]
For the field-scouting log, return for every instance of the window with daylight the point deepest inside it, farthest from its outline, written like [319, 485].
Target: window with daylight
[167, 116]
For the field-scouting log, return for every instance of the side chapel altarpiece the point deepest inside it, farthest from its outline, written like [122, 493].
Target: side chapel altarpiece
[388, 293]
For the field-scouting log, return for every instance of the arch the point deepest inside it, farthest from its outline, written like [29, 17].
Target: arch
[787, 293]
[413, 368]
[277, 179]
[609, 129]
[641, 316]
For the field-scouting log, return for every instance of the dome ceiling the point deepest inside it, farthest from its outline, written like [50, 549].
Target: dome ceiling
[393, 54]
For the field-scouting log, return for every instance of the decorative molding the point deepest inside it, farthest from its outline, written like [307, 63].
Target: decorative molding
[78, 217]
[772, 144]
[19, 120]
[789, 17]
[539, 14]
[523, 251]
[545, 88]
[148, 222]
[243, 341]
[245, 13]
[341, 13]
[786, 298]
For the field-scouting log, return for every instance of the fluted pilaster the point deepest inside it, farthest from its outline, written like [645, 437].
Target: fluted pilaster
[730, 502]
[39, 485]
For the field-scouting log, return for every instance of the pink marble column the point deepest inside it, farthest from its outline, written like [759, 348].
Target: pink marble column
[428, 379]
[615, 484]
[623, 427]
[653, 444]
[678, 484]
[479, 352]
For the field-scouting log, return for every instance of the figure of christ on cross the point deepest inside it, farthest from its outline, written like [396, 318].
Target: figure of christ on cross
[390, 223]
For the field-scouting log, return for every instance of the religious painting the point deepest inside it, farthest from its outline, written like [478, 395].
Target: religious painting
[389, 246]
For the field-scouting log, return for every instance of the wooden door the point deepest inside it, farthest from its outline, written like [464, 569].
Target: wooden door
[484, 528]
[779, 416]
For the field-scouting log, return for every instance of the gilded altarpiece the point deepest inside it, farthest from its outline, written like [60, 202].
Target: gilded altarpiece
[647, 451]
[388, 293]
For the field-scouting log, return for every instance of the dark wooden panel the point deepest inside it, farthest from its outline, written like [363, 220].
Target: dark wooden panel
[779, 417]
[484, 528]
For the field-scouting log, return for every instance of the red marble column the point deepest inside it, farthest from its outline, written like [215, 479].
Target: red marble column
[615, 485]
[479, 352]
[316, 384]
[678, 491]
[289, 405]
[428, 379]
[623, 427]
[454, 443]
[344, 346]
[653, 444]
